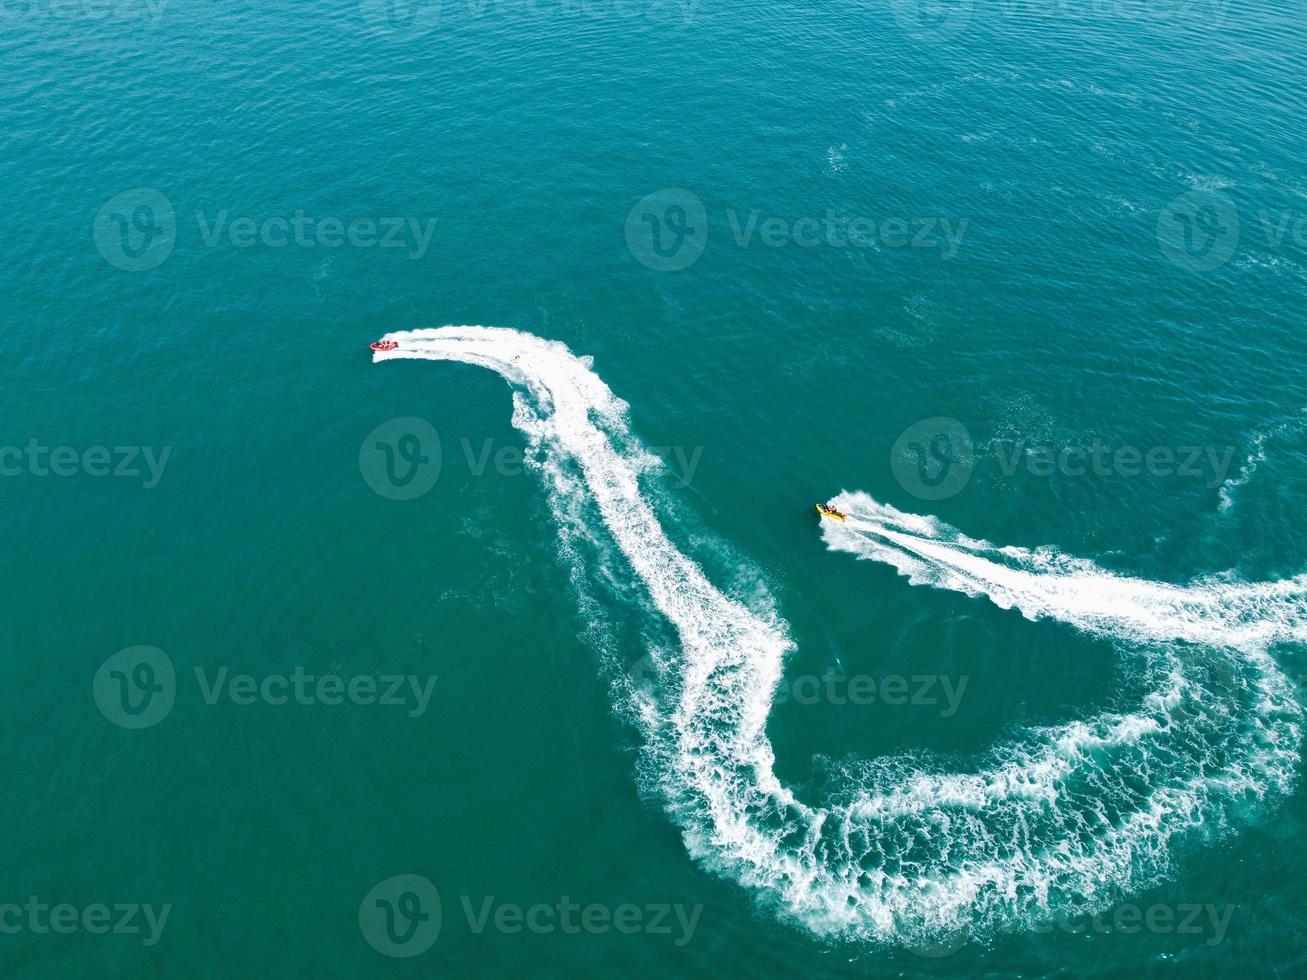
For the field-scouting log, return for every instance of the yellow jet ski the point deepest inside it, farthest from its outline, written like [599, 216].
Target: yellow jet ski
[831, 512]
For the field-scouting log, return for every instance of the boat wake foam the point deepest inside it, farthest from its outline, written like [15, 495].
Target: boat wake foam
[1257, 455]
[900, 849]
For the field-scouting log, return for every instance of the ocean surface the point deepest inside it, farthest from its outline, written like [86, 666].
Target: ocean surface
[519, 649]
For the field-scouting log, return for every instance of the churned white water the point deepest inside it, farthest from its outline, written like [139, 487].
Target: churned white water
[905, 850]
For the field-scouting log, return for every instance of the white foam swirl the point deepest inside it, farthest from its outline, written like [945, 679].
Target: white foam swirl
[901, 849]
[1257, 455]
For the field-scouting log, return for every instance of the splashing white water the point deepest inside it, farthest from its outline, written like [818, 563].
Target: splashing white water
[1061, 818]
[1046, 584]
[1257, 455]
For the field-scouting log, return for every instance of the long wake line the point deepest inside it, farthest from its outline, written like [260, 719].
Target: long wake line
[1059, 819]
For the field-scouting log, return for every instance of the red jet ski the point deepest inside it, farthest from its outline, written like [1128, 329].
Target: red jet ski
[385, 344]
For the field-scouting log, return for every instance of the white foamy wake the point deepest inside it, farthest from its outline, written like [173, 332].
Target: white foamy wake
[1046, 584]
[900, 849]
[1257, 455]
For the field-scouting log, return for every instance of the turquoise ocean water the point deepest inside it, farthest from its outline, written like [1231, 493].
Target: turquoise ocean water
[1019, 284]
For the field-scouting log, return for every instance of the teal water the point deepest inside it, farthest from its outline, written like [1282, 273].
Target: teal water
[1047, 158]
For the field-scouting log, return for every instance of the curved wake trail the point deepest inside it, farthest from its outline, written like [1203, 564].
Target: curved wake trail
[1059, 819]
[1047, 584]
